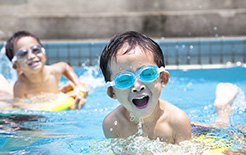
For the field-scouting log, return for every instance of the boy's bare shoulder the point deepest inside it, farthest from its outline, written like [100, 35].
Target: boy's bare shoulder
[115, 115]
[20, 87]
[58, 64]
[21, 81]
[58, 67]
[111, 130]
[178, 121]
[175, 114]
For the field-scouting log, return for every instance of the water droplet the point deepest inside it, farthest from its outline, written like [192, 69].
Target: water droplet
[115, 122]
[111, 129]
[132, 117]
[140, 129]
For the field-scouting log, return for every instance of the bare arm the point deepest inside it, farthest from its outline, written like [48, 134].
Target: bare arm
[108, 129]
[76, 85]
[67, 71]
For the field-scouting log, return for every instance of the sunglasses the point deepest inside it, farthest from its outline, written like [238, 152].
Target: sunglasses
[127, 79]
[36, 49]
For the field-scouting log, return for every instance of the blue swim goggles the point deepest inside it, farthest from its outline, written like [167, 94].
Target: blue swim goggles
[127, 79]
[36, 49]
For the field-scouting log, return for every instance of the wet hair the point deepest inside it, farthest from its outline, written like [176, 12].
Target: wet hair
[9, 47]
[133, 39]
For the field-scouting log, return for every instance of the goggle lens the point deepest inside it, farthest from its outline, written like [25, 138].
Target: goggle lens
[124, 80]
[148, 73]
[23, 53]
[127, 79]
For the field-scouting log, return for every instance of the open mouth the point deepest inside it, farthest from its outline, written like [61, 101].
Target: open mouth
[33, 63]
[141, 102]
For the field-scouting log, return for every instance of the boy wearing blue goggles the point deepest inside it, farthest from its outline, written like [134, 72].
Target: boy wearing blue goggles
[133, 67]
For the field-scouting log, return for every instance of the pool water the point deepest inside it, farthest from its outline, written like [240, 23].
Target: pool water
[80, 131]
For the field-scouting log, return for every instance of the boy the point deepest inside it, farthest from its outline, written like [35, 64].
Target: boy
[27, 55]
[133, 67]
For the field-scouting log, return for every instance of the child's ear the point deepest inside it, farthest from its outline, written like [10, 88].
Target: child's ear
[110, 92]
[15, 66]
[164, 78]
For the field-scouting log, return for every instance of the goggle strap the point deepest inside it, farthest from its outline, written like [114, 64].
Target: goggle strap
[161, 69]
[43, 50]
[110, 84]
[13, 60]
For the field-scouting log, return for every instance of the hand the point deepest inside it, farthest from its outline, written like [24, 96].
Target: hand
[79, 100]
[69, 86]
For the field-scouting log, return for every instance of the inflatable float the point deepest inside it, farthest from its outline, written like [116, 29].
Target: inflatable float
[215, 145]
[60, 105]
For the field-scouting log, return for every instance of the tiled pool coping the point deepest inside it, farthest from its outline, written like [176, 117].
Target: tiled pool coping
[179, 53]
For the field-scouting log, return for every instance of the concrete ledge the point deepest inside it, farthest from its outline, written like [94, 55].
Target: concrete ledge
[161, 24]
[82, 19]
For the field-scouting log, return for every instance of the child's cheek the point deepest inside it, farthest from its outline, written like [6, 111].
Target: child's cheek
[122, 93]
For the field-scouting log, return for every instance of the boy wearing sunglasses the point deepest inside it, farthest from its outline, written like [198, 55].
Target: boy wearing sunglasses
[27, 55]
[133, 67]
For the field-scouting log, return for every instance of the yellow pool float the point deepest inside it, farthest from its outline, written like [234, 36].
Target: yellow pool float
[214, 145]
[60, 105]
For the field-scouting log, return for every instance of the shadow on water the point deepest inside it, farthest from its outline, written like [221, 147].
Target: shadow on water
[16, 122]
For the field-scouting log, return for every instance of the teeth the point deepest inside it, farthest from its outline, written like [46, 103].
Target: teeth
[139, 98]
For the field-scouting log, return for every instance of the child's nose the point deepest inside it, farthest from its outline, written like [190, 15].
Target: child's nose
[138, 86]
[30, 54]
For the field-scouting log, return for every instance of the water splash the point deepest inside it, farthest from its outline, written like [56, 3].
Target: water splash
[239, 103]
[132, 117]
[6, 68]
[207, 143]
[238, 109]
[140, 123]
[140, 127]
[92, 76]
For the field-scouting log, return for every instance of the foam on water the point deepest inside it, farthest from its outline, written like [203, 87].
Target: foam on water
[229, 140]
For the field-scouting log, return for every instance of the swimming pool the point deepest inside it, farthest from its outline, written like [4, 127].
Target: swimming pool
[80, 131]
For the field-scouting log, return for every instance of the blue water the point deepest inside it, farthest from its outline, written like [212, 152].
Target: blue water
[80, 131]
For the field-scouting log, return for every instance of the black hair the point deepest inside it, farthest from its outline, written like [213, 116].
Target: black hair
[133, 39]
[9, 47]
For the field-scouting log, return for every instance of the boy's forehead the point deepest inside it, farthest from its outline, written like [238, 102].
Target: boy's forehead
[25, 42]
[135, 57]
[130, 53]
